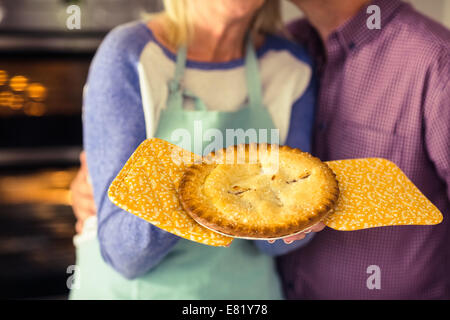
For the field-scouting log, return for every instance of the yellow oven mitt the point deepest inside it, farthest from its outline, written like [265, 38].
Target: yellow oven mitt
[373, 193]
[147, 187]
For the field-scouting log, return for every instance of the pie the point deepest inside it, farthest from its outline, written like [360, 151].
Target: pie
[258, 191]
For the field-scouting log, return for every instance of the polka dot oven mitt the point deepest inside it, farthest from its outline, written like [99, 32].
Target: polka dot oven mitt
[147, 187]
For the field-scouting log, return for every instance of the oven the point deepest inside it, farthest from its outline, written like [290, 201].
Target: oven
[43, 68]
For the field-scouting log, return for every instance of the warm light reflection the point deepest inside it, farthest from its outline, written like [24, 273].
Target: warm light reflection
[37, 91]
[28, 97]
[18, 83]
[5, 98]
[3, 77]
[16, 102]
[35, 109]
[47, 187]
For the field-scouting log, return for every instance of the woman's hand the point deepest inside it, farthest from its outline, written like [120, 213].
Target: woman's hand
[315, 228]
[82, 195]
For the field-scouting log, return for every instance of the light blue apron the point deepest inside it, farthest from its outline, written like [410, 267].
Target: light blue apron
[191, 270]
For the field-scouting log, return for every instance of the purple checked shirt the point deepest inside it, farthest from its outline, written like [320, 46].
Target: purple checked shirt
[383, 93]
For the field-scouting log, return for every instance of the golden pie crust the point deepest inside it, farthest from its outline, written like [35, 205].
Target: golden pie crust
[259, 191]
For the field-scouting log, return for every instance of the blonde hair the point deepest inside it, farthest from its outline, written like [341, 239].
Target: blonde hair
[179, 26]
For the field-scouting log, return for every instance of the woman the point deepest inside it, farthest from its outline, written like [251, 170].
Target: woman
[142, 82]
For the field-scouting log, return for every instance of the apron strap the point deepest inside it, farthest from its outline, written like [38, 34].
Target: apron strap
[179, 68]
[253, 78]
[176, 90]
[175, 95]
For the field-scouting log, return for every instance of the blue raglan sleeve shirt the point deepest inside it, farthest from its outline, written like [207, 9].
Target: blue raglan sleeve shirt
[113, 127]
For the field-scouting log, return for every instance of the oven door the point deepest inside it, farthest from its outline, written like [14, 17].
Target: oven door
[40, 142]
[43, 69]
[40, 107]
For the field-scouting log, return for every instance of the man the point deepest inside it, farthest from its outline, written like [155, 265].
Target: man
[383, 93]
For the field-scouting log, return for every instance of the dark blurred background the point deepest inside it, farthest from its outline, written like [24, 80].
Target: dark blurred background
[43, 68]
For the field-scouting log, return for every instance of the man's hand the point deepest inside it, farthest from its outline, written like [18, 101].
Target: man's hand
[82, 196]
[315, 228]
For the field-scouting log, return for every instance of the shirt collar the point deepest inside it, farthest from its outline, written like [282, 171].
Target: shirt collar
[355, 32]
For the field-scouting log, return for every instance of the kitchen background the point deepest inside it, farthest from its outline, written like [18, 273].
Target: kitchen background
[43, 67]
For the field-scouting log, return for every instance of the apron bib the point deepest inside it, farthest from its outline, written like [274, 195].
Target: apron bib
[192, 270]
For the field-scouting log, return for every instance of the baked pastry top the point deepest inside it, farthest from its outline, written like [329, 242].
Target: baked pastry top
[258, 191]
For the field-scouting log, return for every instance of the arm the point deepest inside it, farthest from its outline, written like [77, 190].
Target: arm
[437, 120]
[114, 126]
[302, 119]
[82, 198]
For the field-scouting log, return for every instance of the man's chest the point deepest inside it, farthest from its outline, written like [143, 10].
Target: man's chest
[367, 109]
